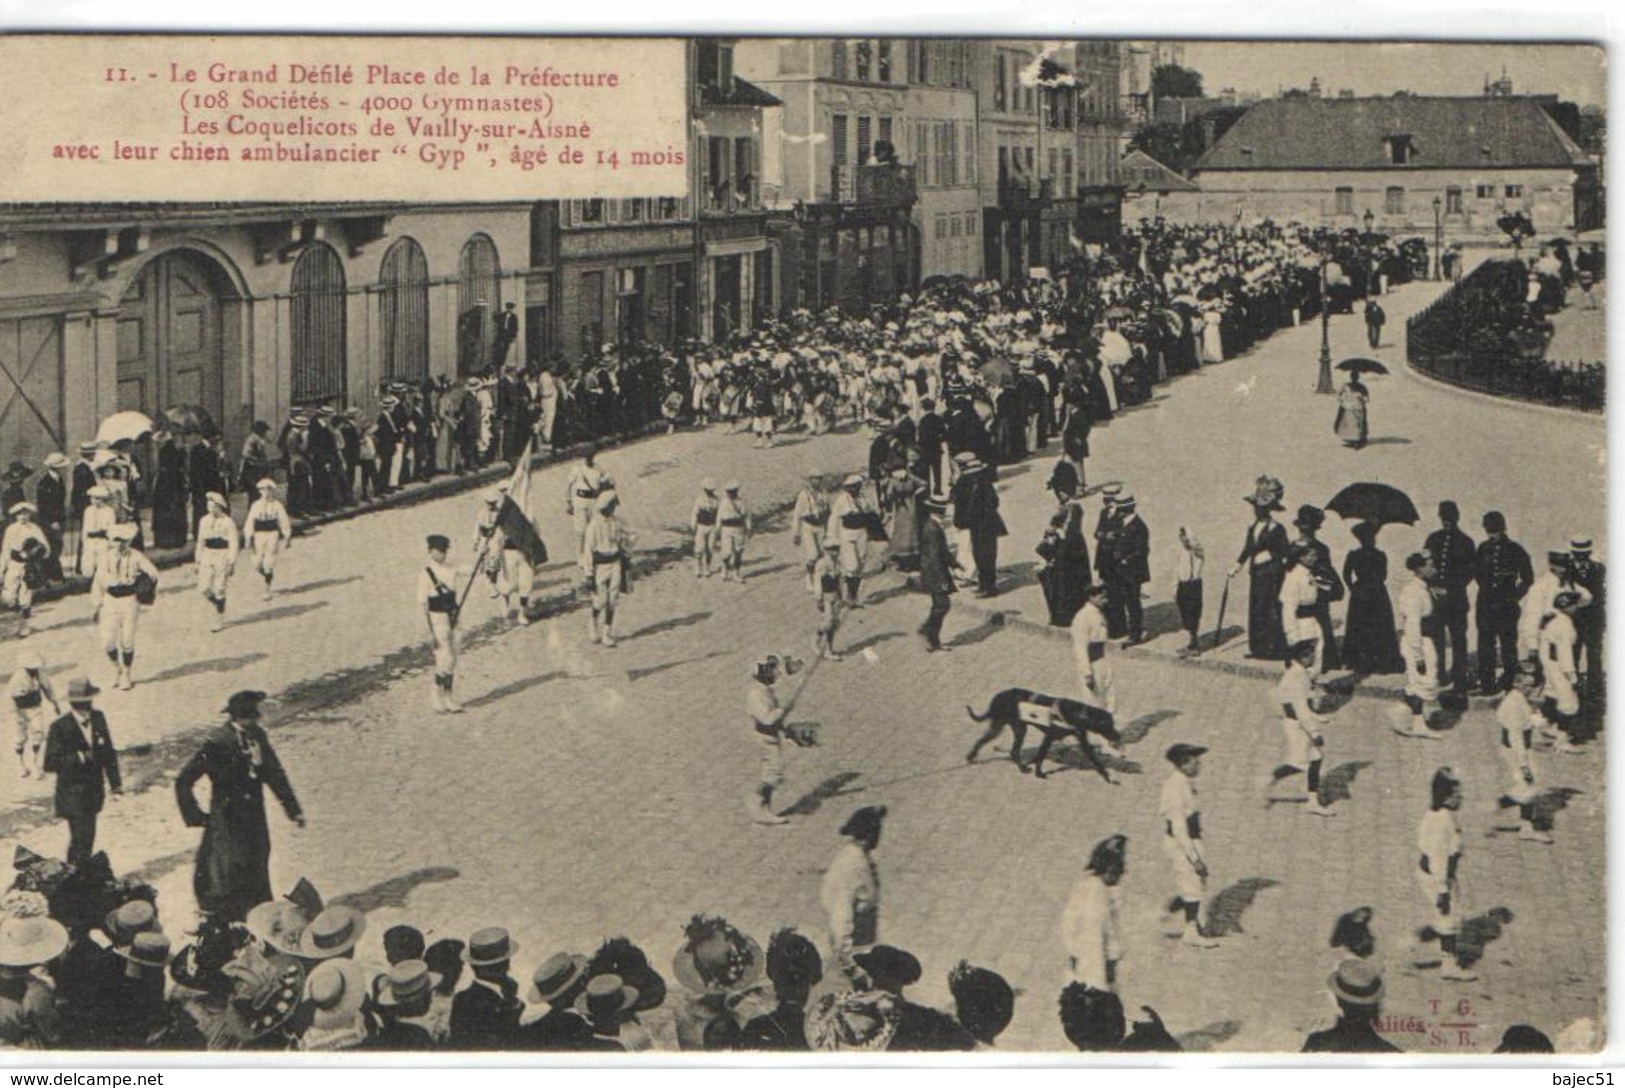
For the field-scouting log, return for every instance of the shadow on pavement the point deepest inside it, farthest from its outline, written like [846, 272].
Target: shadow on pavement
[980, 633]
[281, 612]
[1209, 642]
[873, 640]
[1388, 440]
[320, 583]
[218, 664]
[1136, 730]
[902, 588]
[1209, 1037]
[1225, 911]
[1478, 932]
[635, 675]
[1339, 781]
[673, 624]
[496, 695]
[777, 568]
[833, 786]
[394, 891]
[1162, 618]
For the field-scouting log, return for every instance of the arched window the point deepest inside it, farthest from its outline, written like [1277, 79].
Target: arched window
[479, 301]
[404, 309]
[318, 326]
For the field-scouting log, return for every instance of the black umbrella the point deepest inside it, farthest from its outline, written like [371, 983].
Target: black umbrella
[1362, 366]
[188, 419]
[1376, 503]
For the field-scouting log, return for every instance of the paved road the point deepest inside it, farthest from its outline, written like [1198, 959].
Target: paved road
[590, 792]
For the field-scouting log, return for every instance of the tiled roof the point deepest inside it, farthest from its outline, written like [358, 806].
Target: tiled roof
[742, 93]
[1139, 169]
[1353, 134]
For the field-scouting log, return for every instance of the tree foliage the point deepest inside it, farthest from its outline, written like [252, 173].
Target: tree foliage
[1172, 81]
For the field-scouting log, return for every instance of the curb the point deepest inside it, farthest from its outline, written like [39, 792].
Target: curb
[1573, 415]
[438, 487]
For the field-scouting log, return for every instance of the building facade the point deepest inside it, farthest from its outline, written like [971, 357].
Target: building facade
[834, 173]
[941, 127]
[1425, 166]
[245, 310]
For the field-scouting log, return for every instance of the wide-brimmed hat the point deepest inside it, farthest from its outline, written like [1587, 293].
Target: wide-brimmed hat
[854, 480]
[80, 689]
[337, 989]
[1179, 753]
[20, 507]
[555, 976]
[1267, 493]
[57, 461]
[28, 942]
[279, 924]
[100, 491]
[136, 916]
[1309, 517]
[389, 402]
[331, 933]
[266, 995]
[964, 457]
[406, 982]
[17, 470]
[731, 485]
[88, 447]
[717, 958]
[265, 483]
[148, 949]
[1356, 982]
[605, 996]
[489, 947]
[840, 1018]
[214, 498]
[865, 821]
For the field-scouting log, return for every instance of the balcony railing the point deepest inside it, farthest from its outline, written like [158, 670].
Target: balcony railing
[873, 185]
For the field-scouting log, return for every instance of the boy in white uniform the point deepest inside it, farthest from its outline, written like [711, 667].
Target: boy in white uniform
[22, 544]
[100, 516]
[1417, 648]
[733, 529]
[826, 574]
[216, 555]
[1182, 841]
[1518, 719]
[1556, 648]
[1300, 724]
[30, 690]
[810, 515]
[114, 603]
[703, 521]
[1089, 637]
[437, 596]
[1438, 839]
[271, 529]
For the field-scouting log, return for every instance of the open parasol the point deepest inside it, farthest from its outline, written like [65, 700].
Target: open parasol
[1379, 504]
[123, 427]
[188, 419]
[1362, 366]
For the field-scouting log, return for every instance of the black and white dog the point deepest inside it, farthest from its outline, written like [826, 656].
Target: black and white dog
[1056, 717]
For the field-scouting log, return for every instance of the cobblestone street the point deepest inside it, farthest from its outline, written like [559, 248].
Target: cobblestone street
[591, 792]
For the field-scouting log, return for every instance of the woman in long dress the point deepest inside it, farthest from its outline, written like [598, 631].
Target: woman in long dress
[1212, 337]
[1350, 424]
[900, 496]
[1370, 644]
[169, 489]
[1065, 550]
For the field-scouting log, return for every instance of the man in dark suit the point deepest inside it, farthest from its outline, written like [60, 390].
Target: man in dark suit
[485, 1014]
[1504, 574]
[507, 333]
[936, 571]
[233, 863]
[1455, 558]
[1357, 986]
[1590, 622]
[1107, 525]
[84, 478]
[79, 751]
[206, 471]
[933, 435]
[1130, 566]
[51, 496]
[976, 511]
[385, 439]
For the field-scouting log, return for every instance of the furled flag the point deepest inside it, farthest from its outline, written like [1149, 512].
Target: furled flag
[513, 519]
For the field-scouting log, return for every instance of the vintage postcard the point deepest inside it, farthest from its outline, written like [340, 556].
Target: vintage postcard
[793, 545]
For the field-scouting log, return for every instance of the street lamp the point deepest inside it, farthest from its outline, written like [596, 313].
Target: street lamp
[1324, 383]
[1365, 252]
[1438, 235]
[1369, 219]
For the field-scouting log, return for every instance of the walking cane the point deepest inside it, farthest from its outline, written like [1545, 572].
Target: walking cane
[1218, 628]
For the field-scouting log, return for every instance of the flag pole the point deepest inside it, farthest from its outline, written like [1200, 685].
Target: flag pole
[523, 465]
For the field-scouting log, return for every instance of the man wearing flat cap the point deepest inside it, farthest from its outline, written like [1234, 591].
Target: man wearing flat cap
[233, 871]
[1504, 574]
[1182, 841]
[1454, 560]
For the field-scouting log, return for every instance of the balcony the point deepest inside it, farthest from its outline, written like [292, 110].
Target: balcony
[875, 185]
[1022, 193]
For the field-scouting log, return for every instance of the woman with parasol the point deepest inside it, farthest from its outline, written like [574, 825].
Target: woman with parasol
[1370, 643]
[1351, 424]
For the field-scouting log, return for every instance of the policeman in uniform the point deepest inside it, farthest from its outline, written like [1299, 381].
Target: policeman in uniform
[733, 529]
[25, 548]
[437, 595]
[1182, 840]
[114, 603]
[216, 554]
[1417, 622]
[849, 526]
[704, 523]
[30, 689]
[271, 529]
[1301, 726]
[603, 565]
[1504, 575]
[1089, 651]
[1454, 557]
[810, 516]
[1589, 622]
[581, 492]
[1107, 525]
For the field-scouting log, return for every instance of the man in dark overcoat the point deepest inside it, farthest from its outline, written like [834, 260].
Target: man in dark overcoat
[936, 571]
[1130, 566]
[976, 510]
[233, 863]
[79, 751]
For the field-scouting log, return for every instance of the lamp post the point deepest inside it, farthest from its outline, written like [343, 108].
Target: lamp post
[1365, 253]
[1324, 383]
[1438, 236]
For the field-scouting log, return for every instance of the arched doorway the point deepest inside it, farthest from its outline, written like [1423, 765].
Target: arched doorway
[319, 300]
[169, 336]
[404, 302]
[479, 301]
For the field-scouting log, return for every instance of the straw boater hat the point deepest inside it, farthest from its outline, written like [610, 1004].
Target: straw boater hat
[57, 461]
[555, 976]
[29, 942]
[135, 917]
[279, 924]
[332, 933]
[1356, 982]
[150, 949]
[22, 508]
[88, 448]
[338, 989]
[605, 996]
[406, 982]
[489, 947]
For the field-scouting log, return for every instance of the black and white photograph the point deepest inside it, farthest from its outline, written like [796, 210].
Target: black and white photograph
[1077, 547]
